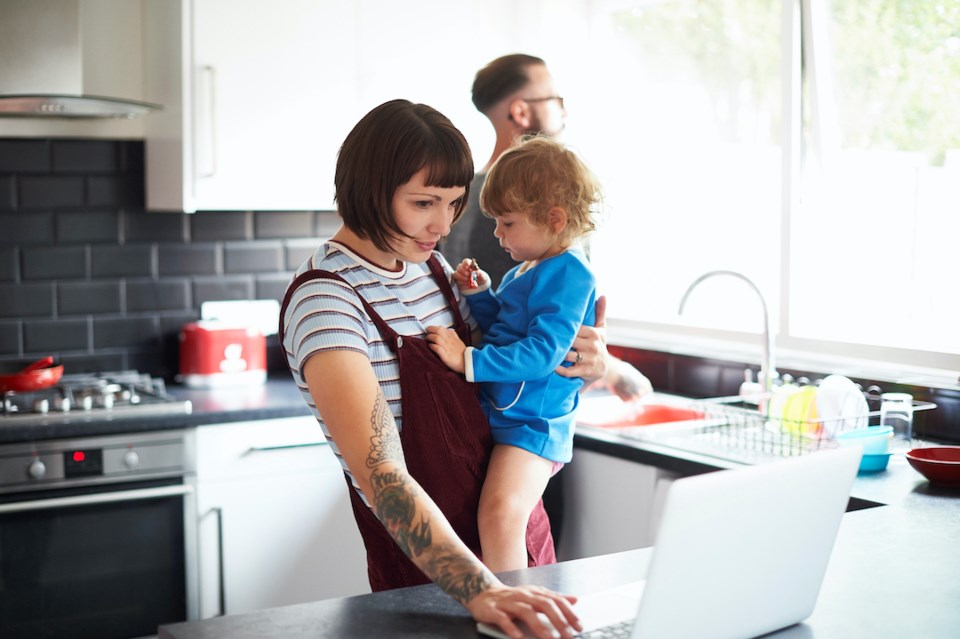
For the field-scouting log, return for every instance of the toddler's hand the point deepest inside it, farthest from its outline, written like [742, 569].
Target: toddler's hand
[448, 346]
[468, 275]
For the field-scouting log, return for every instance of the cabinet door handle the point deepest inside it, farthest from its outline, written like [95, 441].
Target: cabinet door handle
[222, 591]
[209, 73]
[97, 498]
[264, 449]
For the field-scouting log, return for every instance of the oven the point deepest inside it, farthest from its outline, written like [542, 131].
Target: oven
[97, 533]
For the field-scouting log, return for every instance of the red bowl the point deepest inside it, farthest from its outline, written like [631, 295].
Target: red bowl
[939, 464]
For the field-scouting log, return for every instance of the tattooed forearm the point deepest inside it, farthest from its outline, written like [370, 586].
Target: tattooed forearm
[385, 443]
[393, 500]
[456, 574]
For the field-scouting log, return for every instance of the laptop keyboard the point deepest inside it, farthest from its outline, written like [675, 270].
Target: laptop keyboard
[615, 631]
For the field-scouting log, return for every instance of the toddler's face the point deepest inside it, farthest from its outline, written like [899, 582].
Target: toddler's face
[524, 240]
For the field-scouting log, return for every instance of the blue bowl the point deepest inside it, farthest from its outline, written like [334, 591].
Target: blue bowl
[874, 463]
[874, 439]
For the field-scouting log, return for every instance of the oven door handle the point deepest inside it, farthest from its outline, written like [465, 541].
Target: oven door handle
[97, 498]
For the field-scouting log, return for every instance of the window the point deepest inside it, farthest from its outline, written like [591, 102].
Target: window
[811, 146]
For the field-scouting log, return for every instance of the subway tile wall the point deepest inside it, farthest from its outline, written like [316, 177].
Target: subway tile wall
[87, 275]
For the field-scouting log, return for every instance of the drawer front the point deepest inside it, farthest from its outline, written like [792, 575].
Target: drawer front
[262, 447]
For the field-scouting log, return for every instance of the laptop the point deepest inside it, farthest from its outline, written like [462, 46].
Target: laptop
[738, 553]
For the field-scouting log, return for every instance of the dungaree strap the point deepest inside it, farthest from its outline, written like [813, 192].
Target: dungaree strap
[387, 333]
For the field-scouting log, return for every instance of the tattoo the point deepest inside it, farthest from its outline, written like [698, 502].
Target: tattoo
[385, 443]
[457, 575]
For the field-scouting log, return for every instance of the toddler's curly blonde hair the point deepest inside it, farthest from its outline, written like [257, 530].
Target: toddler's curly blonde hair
[537, 175]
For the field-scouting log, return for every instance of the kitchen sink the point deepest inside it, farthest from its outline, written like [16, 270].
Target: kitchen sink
[608, 411]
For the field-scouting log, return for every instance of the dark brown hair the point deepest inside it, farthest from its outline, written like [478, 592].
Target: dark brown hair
[501, 78]
[383, 151]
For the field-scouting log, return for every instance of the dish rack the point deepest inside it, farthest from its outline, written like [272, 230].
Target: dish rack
[738, 431]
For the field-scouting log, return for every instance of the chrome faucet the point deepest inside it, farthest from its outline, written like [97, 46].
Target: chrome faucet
[768, 370]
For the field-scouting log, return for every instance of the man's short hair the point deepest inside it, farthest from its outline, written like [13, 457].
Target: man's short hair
[383, 151]
[500, 78]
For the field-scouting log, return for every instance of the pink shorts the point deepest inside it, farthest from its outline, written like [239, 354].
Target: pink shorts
[556, 468]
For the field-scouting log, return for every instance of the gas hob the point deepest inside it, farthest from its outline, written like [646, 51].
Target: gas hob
[86, 397]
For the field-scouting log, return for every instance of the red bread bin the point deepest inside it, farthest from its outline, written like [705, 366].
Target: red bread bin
[215, 355]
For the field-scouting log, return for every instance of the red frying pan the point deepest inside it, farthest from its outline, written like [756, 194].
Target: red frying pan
[38, 375]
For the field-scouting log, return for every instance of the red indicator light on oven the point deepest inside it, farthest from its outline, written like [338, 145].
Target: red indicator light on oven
[79, 456]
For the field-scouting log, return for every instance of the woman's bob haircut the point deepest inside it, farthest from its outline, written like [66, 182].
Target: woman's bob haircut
[383, 151]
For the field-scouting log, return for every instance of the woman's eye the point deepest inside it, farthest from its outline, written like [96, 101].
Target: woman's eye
[424, 204]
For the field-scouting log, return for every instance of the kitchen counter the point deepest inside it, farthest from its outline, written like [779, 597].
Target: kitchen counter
[277, 398]
[893, 573]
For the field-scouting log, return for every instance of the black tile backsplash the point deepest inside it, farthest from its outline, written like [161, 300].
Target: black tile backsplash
[88, 297]
[48, 192]
[42, 336]
[6, 194]
[23, 230]
[222, 225]
[90, 277]
[8, 263]
[83, 227]
[135, 260]
[25, 156]
[189, 259]
[85, 156]
[53, 262]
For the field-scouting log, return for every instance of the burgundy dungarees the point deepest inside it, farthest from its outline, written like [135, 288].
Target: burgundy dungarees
[446, 443]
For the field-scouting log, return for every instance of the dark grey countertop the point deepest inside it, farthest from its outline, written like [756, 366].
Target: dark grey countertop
[894, 573]
[278, 397]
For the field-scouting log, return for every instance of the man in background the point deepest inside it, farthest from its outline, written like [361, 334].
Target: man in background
[516, 93]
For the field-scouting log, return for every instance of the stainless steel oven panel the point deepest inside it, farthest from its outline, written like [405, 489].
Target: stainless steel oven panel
[126, 457]
[162, 455]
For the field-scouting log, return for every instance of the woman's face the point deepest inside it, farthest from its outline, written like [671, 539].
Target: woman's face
[425, 214]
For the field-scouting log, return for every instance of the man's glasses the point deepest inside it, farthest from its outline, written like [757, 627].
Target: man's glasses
[558, 98]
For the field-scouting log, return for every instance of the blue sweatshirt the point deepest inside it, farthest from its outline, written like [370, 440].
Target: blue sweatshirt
[528, 326]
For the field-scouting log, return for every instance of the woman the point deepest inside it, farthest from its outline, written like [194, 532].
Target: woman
[409, 432]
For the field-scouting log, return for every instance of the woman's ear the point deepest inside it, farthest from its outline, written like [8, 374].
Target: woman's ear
[557, 219]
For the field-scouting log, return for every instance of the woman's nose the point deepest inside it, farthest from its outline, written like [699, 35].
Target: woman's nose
[441, 223]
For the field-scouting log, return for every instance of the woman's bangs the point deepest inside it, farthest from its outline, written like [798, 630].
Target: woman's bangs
[448, 164]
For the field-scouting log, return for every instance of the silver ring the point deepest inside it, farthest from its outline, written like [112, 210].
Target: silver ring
[579, 358]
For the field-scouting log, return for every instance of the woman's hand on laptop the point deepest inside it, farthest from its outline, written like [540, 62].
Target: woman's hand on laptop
[543, 611]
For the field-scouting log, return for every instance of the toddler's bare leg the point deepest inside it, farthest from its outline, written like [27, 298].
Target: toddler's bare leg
[515, 480]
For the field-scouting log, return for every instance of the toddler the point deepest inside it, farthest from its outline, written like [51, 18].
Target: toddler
[542, 197]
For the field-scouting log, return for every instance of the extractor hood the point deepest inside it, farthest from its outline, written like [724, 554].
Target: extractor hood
[42, 65]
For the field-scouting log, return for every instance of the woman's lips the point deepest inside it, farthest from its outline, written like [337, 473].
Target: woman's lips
[426, 246]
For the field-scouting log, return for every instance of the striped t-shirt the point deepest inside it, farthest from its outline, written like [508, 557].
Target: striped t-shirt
[325, 315]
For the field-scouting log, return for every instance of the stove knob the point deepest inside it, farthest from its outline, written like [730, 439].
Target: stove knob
[131, 459]
[37, 469]
[106, 400]
[62, 404]
[41, 406]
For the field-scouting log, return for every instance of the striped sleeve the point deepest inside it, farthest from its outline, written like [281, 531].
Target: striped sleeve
[325, 315]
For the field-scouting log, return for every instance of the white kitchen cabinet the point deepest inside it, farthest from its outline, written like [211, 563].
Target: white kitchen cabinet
[258, 97]
[274, 518]
[610, 504]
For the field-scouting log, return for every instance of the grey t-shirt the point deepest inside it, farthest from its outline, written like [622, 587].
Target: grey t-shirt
[472, 236]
